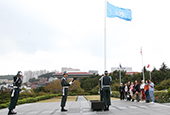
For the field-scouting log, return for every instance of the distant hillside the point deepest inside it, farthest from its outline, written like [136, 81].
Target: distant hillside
[9, 77]
[47, 75]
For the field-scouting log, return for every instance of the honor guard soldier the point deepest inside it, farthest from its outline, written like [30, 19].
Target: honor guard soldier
[15, 92]
[105, 84]
[65, 85]
[100, 89]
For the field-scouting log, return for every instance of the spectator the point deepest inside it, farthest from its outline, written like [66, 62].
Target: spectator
[126, 90]
[121, 90]
[151, 90]
[128, 93]
[146, 89]
[131, 91]
[136, 89]
[142, 91]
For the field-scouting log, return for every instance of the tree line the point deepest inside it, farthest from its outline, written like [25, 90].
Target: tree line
[160, 77]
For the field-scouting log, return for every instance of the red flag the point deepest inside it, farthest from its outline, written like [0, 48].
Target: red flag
[148, 66]
[141, 51]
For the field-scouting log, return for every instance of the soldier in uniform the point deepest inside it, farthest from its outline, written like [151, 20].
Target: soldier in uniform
[105, 83]
[65, 85]
[15, 92]
[100, 89]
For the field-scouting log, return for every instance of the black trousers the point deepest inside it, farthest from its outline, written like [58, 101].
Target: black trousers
[121, 95]
[14, 99]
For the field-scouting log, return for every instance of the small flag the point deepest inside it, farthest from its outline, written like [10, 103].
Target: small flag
[148, 66]
[113, 11]
[141, 51]
[120, 66]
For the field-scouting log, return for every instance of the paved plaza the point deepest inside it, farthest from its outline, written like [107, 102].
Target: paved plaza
[83, 107]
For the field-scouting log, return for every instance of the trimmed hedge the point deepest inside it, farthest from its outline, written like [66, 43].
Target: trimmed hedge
[161, 96]
[87, 93]
[115, 94]
[30, 100]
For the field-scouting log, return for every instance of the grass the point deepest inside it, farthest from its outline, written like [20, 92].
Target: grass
[97, 97]
[58, 99]
[73, 98]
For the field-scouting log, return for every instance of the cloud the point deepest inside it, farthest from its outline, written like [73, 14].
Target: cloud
[36, 34]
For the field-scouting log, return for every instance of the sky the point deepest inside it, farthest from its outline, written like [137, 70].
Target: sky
[51, 34]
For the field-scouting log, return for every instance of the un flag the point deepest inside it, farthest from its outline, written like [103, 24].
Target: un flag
[113, 11]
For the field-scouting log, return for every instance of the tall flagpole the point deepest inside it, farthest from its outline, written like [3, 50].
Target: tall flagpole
[105, 34]
[142, 65]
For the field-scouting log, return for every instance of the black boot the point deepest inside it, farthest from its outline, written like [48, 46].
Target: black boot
[105, 108]
[63, 110]
[132, 100]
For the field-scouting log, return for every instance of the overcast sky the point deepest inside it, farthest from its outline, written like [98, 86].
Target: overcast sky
[50, 34]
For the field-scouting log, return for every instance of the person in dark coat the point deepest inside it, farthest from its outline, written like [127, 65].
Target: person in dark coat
[128, 93]
[17, 81]
[105, 84]
[137, 90]
[100, 89]
[121, 91]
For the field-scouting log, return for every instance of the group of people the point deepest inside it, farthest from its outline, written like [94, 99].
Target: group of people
[130, 91]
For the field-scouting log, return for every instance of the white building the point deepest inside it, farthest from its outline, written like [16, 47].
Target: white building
[127, 69]
[93, 72]
[33, 74]
[52, 79]
[68, 69]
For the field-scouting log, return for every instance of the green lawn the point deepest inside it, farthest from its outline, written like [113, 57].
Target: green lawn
[97, 97]
[58, 99]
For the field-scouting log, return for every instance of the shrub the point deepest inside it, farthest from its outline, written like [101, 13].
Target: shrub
[3, 106]
[169, 91]
[87, 93]
[72, 94]
[115, 94]
[42, 93]
[161, 96]
[29, 100]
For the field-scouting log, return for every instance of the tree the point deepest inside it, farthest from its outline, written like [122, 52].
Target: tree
[54, 86]
[163, 67]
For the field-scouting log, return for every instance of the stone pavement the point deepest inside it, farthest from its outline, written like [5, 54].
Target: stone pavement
[82, 107]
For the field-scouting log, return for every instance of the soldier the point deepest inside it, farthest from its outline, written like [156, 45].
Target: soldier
[65, 85]
[100, 89]
[105, 83]
[15, 92]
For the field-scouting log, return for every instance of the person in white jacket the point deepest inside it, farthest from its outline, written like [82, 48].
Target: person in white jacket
[142, 91]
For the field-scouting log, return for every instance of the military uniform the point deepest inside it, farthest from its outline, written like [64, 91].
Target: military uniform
[15, 93]
[105, 83]
[100, 89]
[65, 85]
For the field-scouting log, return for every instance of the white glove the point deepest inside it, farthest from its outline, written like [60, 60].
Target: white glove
[70, 82]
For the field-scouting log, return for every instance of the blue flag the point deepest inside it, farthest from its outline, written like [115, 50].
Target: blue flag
[121, 67]
[113, 11]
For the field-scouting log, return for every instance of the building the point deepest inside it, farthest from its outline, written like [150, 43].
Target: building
[68, 69]
[33, 74]
[42, 82]
[6, 81]
[52, 79]
[73, 74]
[127, 69]
[93, 72]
